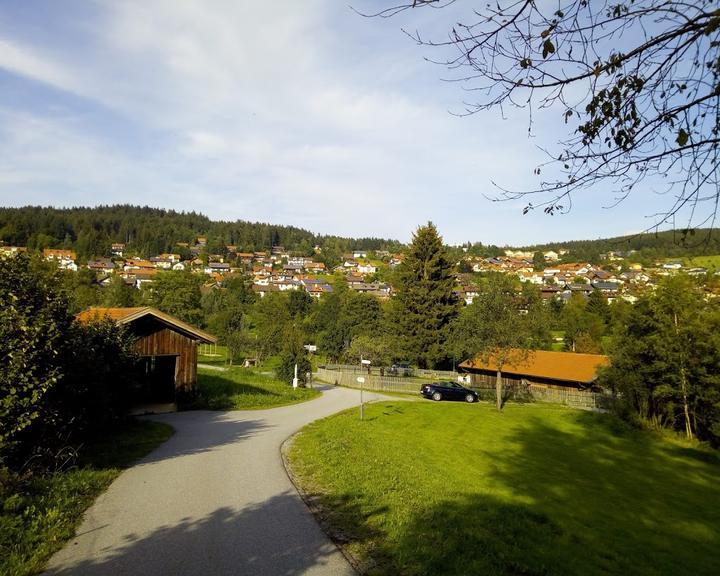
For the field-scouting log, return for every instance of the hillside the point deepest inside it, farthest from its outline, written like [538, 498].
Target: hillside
[648, 247]
[148, 231]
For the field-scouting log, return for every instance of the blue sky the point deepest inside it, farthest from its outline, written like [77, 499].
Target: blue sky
[287, 112]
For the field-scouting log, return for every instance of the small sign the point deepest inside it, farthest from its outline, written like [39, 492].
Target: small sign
[366, 362]
[361, 380]
[310, 347]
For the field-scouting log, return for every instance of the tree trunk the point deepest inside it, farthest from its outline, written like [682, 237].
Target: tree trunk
[683, 387]
[499, 390]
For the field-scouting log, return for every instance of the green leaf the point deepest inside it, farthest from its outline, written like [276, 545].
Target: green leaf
[548, 48]
[682, 137]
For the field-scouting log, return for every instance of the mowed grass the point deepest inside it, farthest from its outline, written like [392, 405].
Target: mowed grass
[240, 388]
[450, 488]
[38, 514]
[710, 262]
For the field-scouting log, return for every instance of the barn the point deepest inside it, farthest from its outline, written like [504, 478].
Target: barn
[167, 348]
[539, 368]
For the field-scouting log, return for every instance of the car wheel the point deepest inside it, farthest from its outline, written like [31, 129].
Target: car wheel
[437, 396]
[469, 398]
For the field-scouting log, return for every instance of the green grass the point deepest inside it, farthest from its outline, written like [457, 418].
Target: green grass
[213, 355]
[423, 488]
[710, 262]
[245, 389]
[40, 513]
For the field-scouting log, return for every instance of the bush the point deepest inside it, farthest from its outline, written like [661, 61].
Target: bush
[60, 381]
[293, 353]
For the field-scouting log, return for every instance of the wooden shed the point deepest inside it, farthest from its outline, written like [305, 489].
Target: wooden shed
[540, 368]
[167, 347]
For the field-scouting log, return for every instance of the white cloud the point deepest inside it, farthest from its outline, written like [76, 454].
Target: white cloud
[273, 111]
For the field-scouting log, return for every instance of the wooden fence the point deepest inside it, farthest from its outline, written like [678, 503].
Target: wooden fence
[373, 381]
[385, 371]
[518, 391]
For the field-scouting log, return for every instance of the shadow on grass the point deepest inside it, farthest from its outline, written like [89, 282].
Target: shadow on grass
[264, 538]
[594, 497]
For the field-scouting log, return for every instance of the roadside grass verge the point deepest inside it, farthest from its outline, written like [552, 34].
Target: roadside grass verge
[40, 513]
[245, 389]
[452, 488]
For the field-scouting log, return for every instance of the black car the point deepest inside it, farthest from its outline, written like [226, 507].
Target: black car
[448, 391]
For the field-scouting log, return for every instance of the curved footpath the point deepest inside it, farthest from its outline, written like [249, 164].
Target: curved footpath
[214, 499]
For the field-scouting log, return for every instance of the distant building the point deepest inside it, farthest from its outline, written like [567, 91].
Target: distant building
[64, 258]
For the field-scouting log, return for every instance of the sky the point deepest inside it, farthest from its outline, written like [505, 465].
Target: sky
[298, 113]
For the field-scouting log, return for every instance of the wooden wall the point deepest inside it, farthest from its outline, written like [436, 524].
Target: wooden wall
[155, 339]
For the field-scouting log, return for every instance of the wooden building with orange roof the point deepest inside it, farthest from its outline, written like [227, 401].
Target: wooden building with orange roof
[539, 368]
[167, 347]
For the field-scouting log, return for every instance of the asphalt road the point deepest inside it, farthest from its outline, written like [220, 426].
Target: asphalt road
[213, 500]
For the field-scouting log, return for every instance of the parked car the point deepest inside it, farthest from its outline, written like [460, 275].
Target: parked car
[401, 369]
[448, 391]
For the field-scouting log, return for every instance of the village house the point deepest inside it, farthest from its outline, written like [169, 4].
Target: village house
[136, 264]
[65, 258]
[8, 251]
[141, 276]
[217, 267]
[366, 268]
[551, 256]
[263, 289]
[103, 265]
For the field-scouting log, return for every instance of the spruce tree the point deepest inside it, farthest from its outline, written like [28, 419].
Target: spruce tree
[425, 303]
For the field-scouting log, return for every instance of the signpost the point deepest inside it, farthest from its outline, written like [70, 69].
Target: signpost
[361, 380]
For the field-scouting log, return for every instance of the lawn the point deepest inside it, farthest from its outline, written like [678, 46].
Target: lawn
[240, 388]
[39, 514]
[450, 488]
[711, 262]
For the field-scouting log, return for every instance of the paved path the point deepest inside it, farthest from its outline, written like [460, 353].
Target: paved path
[213, 500]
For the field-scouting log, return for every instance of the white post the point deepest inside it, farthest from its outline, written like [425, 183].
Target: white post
[361, 379]
[295, 379]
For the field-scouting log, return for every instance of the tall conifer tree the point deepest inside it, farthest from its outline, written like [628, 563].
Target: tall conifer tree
[425, 303]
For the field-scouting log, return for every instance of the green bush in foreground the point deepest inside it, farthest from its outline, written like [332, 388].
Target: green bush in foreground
[462, 489]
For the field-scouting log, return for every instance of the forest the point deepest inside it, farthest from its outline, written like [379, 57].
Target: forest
[149, 231]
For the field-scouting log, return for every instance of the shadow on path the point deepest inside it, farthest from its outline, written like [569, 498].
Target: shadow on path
[254, 540]
[201, 431]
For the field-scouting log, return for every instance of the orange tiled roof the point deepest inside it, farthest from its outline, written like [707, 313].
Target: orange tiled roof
[128, 315]
[566, 366]
[111, 313]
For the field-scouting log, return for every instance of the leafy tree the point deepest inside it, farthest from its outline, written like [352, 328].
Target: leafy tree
[497, 327]
[177, 293]
[597, 304]
[583, 328]
[665, 359]
[82, 289]
[270, 320]
[377, 349]
[59, 380]
[293, 353]
[425, 302]
[300, 304]
[34, 321]
[635, 81]
[119, 295]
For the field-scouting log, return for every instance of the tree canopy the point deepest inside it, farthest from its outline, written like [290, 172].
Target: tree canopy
[635, 81]
[425, 303]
